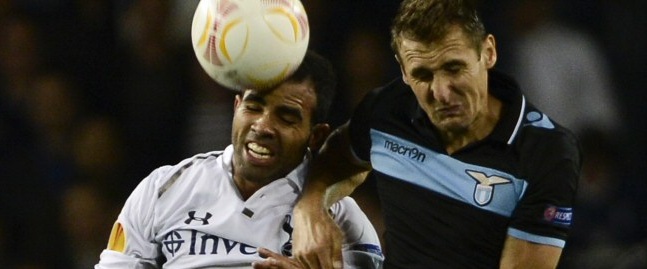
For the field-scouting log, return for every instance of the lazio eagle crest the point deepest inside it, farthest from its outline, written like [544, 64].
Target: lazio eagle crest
[484, 188]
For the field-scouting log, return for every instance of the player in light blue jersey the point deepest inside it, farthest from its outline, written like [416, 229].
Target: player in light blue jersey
[469, 173]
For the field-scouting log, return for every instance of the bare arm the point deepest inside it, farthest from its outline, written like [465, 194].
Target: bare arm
[519, 253]
[334, 173]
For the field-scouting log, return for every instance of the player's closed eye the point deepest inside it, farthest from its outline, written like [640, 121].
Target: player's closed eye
[290, 119]
[422, 75]
[290, 116]
[453, 67]
[251, 106]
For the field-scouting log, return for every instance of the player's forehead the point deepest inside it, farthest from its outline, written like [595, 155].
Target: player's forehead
[455, 44]
[454, 49]
[299, 95]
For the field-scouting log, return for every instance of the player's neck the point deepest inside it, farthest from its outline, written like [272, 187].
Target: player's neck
[247, 188]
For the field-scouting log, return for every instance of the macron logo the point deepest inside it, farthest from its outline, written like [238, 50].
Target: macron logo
[409, 152]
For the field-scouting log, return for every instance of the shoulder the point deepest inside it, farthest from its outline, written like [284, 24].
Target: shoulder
[539, 132]
[166, 186]
[346, 203]
[544, 146]
[164, 177]
[348, 211]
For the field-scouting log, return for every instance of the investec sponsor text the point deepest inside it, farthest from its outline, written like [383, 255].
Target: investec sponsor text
[192, 242]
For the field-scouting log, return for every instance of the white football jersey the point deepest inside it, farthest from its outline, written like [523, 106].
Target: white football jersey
[191, 215]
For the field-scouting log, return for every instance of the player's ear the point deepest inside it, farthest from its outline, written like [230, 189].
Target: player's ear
[318, 136]
[489, 51]
[237, 101]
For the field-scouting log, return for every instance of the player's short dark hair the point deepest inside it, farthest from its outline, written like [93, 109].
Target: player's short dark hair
[320, 71]
[428, 21]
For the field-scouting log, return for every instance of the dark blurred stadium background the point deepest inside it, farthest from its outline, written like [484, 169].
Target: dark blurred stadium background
[94, 94]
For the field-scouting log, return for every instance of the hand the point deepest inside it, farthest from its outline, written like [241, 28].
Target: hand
[275, 261]
[316, 238]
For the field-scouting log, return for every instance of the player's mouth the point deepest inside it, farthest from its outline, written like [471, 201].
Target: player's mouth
[258, 151]
[449, 110]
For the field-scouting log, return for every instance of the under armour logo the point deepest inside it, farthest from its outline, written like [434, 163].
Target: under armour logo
[484, 188]
[192, 217]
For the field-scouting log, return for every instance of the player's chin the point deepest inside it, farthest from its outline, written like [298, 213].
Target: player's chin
[451, 124]
[254, 174]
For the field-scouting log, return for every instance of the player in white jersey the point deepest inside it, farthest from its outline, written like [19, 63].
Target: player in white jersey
[233, 208]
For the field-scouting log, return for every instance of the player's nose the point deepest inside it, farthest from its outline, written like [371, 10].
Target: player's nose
[264, 125]
[440, 88]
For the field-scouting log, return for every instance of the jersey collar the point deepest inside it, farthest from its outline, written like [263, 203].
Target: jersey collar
[506, 89]
[281, 191]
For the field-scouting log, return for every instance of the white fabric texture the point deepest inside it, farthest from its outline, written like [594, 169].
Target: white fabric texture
[192, 216]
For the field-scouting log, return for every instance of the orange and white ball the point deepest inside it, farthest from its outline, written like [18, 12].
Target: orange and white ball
[244, 44]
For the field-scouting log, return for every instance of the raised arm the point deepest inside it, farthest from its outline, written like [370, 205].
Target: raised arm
[334, 173]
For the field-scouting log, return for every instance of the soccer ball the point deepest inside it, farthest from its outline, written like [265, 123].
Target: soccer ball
[250, 44]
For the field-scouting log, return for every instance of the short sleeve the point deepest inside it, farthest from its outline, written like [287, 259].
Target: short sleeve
[131, 244]
[361, 248]
[545, 212]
